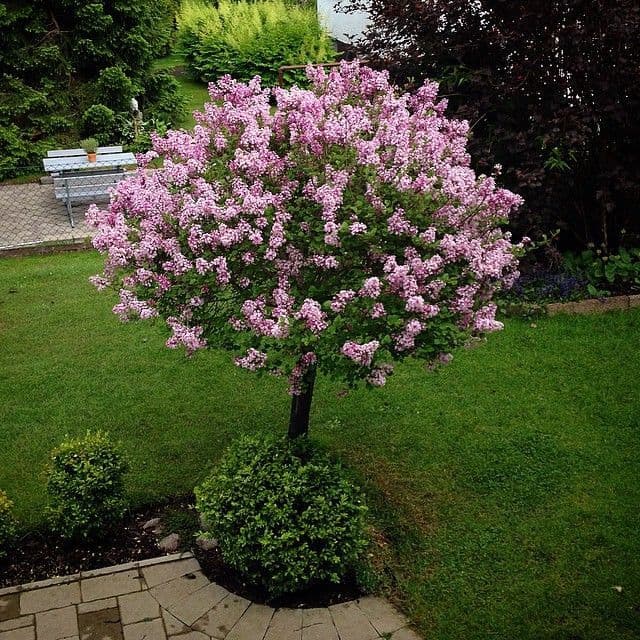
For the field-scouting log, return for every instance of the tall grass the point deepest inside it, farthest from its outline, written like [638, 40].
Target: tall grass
[247, 38]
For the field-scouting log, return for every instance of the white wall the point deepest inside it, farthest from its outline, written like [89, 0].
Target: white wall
[340, 24]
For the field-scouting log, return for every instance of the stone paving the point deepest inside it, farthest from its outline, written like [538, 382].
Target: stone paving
[170, 598]
[31, 215]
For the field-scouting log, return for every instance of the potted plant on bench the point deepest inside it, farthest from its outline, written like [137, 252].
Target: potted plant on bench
[90, 145]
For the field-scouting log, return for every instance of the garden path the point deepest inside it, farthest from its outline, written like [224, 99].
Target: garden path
[170, 598]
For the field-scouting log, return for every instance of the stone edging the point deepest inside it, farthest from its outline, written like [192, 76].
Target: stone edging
[594, 305]
[52, 582]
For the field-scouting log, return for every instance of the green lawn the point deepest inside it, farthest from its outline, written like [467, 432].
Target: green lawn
[196, 93]
[507, 483]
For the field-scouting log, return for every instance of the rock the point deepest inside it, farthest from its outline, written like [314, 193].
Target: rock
[207, 544]
[151, 524]
[169, 543]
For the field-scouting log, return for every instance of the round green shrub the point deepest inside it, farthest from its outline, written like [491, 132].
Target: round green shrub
[284, 515]
[115, 89]
[86, 486]
[99, 121]
[162, 97]
[8, 525]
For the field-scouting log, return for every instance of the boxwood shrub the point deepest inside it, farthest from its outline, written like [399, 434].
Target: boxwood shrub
[86, 486]
[285, 516]
[8, 524]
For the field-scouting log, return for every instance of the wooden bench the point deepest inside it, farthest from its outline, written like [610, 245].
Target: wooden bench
[90, 187]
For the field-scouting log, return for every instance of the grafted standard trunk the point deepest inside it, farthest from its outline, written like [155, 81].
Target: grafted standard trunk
[301, 406]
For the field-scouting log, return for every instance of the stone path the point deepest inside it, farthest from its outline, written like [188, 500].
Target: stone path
[170, 597]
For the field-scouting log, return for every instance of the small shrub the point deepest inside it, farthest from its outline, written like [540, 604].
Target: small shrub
[607, 273]
[8, 525]
[162, 97]
[284, 515]
[99, 121]
[115, 89]
[85, 485]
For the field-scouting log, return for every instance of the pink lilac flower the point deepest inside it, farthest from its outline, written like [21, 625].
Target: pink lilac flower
[361, 354]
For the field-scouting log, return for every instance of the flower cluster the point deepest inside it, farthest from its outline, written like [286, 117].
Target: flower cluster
[343, 230]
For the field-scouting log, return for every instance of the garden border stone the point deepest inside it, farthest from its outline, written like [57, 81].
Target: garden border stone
[594, 305]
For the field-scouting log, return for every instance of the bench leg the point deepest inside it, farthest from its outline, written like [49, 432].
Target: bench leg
[69, 211]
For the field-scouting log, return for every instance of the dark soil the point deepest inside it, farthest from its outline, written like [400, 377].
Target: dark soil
[321, 595]
[39, 555]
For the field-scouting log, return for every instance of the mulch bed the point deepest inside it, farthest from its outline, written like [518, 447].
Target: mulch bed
[39, 555]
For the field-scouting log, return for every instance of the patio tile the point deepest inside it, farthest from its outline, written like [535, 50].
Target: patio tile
[317, 624]
[286, 624]
[56, 597]
[135, 607]
[57, 624]
[149, 630]
[100, 625]
[351, 623]
[253, 624]
[16, 623]
[171, 592]
[114, 584]
[9, 607]
[25, 633]
[159, 573]
[189, 609]
[380, 613]
[221, 618]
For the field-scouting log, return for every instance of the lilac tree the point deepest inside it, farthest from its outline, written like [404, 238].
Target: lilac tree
[340, 232]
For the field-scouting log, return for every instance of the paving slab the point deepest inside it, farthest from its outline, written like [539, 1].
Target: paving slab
[168, 593]
[25, 633]
[109, 585]
[352, 623]
[16, 623]
[384, 617]
[286, 624]
[9, 607]
[253, 624]
[221, 618]
[174, 626]
[159, 573]
[57, 624]
[100, 625]
[136, 607]
[148, 630]
[195, 605]
[317, 624]
[56, 597]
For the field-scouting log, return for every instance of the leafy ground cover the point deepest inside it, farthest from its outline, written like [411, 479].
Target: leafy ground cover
[504, 486]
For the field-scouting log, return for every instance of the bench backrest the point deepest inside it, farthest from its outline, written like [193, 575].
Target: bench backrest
[74, 153]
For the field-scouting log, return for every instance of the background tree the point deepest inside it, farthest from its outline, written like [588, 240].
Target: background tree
[341, 233]
[60, 57]
[552, 90]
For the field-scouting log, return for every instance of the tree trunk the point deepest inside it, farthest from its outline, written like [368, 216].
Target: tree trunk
[301, 406]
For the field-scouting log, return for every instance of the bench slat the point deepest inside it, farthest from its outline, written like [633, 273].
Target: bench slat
[82, 194]
[95, 179]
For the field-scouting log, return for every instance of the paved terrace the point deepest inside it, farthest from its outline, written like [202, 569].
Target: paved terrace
[31, 215]
[170, 597]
